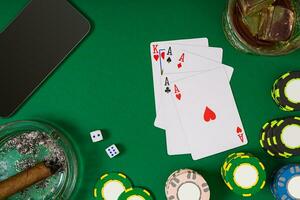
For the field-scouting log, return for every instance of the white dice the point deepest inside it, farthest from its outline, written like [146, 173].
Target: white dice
[96, 136]
[112, 151]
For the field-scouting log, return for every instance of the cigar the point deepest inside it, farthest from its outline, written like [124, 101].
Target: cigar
[29, 177]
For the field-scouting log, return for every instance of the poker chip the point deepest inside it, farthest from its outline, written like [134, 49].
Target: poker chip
[111, 185]
[281, 137]
[286, 91]
[286, 183]
[228, 159]
[267, 142]
[243, 174]
[135, 194]
[186, 184]
[173, 175]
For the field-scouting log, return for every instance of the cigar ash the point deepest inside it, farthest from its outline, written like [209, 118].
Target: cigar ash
[26, 150]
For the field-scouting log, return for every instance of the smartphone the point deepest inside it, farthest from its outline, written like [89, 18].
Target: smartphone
[33, 45]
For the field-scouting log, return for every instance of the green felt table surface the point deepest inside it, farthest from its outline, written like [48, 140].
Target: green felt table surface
[106, 83]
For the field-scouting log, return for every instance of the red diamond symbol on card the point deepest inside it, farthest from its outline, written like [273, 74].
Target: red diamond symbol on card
[179, 65]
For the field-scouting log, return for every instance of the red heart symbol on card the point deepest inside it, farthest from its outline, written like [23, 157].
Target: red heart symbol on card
[209, 114]
[178, 96]
[239, 130]
[162, 55]
[179, 65]
[156, 57]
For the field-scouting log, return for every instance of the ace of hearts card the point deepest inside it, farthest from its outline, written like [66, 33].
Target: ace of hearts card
[208, 113]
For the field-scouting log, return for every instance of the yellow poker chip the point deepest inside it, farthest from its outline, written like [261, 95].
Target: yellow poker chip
[111, 185]
[187, 184]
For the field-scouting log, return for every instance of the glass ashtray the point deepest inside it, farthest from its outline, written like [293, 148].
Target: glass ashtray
[26, 143]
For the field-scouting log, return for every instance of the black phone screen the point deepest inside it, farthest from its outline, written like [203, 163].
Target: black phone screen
[33, 45]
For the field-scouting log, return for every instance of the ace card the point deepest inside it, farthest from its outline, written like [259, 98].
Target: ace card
[158, 56]
[208, 113]
[192, 64]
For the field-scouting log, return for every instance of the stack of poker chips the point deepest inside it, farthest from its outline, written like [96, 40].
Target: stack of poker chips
[281, 137]
[286, 182]
[244, 174]
[186, 184]
[286, 91]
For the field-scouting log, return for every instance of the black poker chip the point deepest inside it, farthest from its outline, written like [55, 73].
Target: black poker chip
[263, 139]
[273, 144]
[281, 138]
[267, 143]
[286, 135]
[276, 98]
[286, 91]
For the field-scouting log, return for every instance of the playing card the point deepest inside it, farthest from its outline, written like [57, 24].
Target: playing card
[193, 59]
[157, 58]
[193, 63]
[169, 119]
[208, 113]
[211, 58]
[208, 54]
